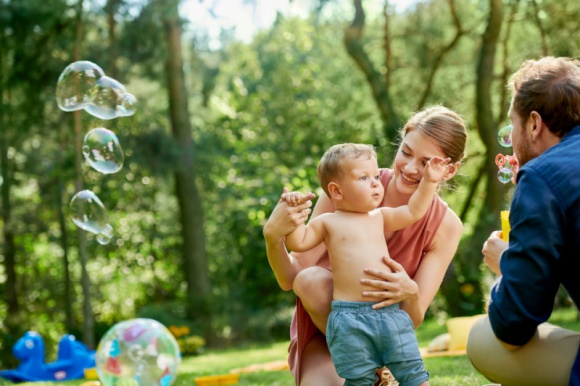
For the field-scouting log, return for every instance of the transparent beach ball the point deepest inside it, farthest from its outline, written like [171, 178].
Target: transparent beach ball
[138, 352]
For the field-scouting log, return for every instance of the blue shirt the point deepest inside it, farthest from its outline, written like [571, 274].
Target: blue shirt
[544, 245]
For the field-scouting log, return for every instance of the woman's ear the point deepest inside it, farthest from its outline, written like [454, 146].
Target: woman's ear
[452, 170]
[334, 191]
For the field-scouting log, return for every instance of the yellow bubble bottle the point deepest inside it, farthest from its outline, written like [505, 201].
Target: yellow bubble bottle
[505, 224]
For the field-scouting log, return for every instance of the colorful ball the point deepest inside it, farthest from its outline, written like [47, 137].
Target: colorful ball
[138, 352]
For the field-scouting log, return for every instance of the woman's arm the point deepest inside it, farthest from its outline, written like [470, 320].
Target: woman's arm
[282, 221]
[415, 295]
[434, 264]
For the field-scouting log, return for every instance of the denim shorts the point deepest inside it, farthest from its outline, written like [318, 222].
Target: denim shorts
[361, 340]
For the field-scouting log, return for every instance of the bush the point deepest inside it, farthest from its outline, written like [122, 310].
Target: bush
[191, 345]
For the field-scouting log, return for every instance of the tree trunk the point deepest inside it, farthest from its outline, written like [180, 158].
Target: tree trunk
[10, 286]
[111, 9]
[9, 250]
[459, 32]
[68, 298]
[471, 299]
[88, 317]
[191, 211]
[378, 83]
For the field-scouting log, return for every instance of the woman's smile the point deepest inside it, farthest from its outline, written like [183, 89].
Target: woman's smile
[408, 180]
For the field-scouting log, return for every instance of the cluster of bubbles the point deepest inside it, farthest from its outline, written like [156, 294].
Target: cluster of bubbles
[138, 352]
[505, 173]
[83, 85]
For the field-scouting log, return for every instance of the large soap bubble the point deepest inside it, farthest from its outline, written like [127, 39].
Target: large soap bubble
[88, 212]
[106, 95]
[139, 352]
[102, 150]
[75, 84]
[504, 136]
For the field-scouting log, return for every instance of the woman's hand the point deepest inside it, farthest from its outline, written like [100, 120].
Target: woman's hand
[391, 287]
[286, 217]
[492, 250]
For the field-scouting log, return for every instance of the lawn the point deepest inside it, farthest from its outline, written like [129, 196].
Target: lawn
[445, 371]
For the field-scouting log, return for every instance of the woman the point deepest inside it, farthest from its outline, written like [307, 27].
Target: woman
[420, 254]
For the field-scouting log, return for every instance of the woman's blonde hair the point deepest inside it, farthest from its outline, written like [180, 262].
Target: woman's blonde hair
[444, 126]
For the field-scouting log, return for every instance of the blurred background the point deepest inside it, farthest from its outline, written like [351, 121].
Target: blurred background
[236, 99]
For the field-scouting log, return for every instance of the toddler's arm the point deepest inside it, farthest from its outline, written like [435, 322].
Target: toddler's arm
[306, 237]
[406, 215]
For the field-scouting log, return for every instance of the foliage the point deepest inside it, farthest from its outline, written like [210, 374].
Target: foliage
[191, 345]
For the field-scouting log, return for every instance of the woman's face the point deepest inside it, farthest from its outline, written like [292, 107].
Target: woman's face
[415, 150]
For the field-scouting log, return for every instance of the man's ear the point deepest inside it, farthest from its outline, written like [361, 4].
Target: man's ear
[334, 191]
[536, 125]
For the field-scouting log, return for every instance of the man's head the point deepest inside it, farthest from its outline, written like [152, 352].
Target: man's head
[545, 104]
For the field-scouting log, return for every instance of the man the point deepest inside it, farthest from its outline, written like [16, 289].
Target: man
[513, 345]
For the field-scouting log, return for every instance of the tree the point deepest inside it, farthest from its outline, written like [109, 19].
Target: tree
[471, 295]
[191, 210]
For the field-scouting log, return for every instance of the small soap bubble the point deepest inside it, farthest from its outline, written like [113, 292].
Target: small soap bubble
[127, 105]
[75, 83]
[504, 175]
[88, 212]
[102, 151]
[106, 235]
[105, 96]
[504, 136]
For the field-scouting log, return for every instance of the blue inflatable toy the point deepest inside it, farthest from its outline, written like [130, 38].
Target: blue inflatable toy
[73, 358]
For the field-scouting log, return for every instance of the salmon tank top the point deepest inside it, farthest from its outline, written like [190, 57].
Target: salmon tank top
[407, 247]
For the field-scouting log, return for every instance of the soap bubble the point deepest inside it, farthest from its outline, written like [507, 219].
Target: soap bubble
[88, 212]
[102, 151]
[75, 84]
[504, 175]
[127, 105]
[140, 352]
[105, 236]
[504, 136]
[105, 96]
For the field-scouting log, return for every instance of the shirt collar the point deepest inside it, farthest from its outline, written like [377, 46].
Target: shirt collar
[574, 131]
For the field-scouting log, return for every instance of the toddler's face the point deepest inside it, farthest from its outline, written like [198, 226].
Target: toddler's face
[360, 185]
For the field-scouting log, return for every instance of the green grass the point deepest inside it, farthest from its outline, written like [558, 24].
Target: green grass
[445, 371]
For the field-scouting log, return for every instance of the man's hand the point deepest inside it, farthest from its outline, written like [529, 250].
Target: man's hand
[492, 250]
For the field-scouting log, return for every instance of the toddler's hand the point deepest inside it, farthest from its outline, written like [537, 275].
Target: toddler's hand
[295, 198]
[436, 169]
